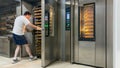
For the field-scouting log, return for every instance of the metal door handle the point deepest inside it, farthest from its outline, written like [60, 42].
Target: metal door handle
[43, 29]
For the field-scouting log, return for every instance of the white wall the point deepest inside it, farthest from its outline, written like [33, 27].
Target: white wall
[116, 33]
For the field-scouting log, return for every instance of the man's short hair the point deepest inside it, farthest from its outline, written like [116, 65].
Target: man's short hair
[27, 13]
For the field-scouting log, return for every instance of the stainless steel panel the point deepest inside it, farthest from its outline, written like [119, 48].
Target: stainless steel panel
[75, 29]
[43, 35]
[49, 44]
[61, 28]
[100, 33]
[72, 33]
[1, 46]
[57, 47]
[67, 45]
[77, 45]
[110, 24]
[62, 19]
[63, 36]
[57, 27]
[67, 35]
[7, 47]
[87, 52]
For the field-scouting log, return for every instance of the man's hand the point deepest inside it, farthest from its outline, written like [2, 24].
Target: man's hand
[34, 26]
[38, 28]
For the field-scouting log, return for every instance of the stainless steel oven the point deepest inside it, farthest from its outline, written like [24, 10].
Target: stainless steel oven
[88, 32]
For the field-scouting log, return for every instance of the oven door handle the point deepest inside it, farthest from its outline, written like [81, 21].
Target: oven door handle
[42, 29]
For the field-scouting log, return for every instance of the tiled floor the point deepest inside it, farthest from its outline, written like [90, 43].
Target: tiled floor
[25, 63]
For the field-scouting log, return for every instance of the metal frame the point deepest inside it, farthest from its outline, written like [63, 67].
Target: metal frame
[110, 8]
[71, 32]
[43, 33]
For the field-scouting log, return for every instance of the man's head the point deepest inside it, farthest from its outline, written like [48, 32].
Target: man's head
[27, 14]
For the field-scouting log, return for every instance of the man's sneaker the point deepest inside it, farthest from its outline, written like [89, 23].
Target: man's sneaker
[33, 58]
[15, 61]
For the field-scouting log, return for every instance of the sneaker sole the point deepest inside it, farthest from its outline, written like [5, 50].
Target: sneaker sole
[15, 62]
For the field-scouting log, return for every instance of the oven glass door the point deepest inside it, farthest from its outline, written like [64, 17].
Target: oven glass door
[87, 22]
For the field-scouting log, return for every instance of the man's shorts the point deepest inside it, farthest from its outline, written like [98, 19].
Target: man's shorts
[19, 39]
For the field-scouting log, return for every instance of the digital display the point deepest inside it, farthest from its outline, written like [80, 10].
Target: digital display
[46, 25]
[67, 26]
[68, 15]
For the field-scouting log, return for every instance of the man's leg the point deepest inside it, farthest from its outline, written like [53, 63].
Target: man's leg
[17, 51]
[28, 50]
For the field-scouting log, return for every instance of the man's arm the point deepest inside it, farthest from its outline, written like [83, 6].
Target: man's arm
[24, 29]
[33, 26]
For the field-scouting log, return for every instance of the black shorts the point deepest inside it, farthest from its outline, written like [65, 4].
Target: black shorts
[19, 39]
